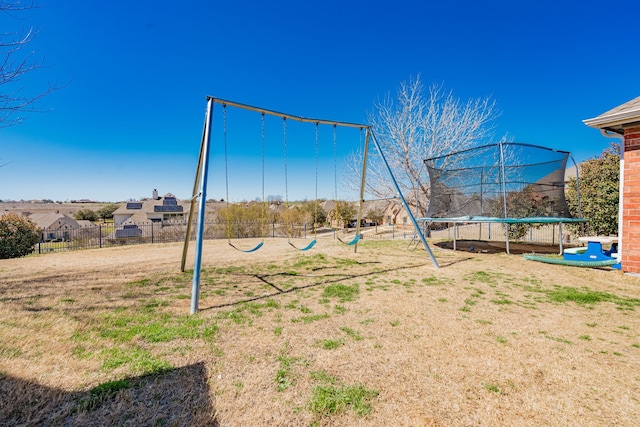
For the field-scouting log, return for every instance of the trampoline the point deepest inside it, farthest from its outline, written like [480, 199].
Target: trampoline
[508, 183]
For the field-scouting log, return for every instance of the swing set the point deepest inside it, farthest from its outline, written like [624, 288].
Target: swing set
[200, 185]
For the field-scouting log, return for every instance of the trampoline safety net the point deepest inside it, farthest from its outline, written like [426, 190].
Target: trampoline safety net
[504, 180]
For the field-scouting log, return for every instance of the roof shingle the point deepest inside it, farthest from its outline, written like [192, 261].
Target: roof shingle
[616, 118]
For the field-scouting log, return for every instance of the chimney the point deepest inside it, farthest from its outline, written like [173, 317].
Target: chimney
[155, 194]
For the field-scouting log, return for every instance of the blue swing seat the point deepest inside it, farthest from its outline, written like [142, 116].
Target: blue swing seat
[353, 242]
[247, 250]
[306, 248]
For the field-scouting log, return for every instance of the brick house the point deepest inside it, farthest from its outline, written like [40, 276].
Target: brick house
[623, 122]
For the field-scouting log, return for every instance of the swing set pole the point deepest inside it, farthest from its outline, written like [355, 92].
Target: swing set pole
[204, 156]
[194, 197]
[285, 115]
[404, 202]
[362, 184]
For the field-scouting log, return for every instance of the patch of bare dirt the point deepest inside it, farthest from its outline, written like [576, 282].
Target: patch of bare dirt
[493, 247]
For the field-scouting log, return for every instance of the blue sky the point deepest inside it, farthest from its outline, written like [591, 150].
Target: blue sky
[134, 76]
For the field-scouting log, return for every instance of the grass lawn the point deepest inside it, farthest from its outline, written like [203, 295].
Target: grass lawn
[321, 337]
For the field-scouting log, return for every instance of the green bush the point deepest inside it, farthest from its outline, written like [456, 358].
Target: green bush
[106, 212]
[18, 236]
[86, 214]
[599, 193]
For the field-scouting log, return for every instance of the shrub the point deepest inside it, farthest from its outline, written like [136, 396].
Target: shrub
[86, 214]
[106, 212]
[18, 236]
[599, 192]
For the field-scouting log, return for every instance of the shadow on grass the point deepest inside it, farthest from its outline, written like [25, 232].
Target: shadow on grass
[176, 397]
[325, 279]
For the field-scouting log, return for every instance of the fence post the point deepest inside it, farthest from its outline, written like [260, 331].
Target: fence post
[152, 233]
[305, 230]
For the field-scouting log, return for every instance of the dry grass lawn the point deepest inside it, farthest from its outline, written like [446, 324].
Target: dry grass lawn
[324, 337]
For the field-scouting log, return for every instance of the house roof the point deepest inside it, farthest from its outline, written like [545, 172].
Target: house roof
[138, 211]
[617, 118]
[46, 220]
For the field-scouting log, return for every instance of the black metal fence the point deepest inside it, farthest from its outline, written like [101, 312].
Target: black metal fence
[107, 235]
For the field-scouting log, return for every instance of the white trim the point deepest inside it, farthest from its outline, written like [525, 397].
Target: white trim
[616, 119]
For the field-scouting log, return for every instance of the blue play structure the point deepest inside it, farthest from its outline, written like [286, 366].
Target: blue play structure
[592, 255]
[594, 252]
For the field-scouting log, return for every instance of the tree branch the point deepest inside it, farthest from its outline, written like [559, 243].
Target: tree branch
[415, 126]
[15, 64]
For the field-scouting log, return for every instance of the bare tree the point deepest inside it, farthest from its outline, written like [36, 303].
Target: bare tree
[416, 126]
[16, 61]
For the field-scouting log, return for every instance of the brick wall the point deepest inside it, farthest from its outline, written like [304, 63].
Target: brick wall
[631, 202]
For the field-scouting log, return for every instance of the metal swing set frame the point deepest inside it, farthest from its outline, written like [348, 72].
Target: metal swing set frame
[200, 186]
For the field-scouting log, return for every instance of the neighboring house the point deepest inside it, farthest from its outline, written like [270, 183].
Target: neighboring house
[396, 214]
[132, 219]
[55, 226]
[623, 122]
[165, 208]
[392, 212]
[128, 211]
